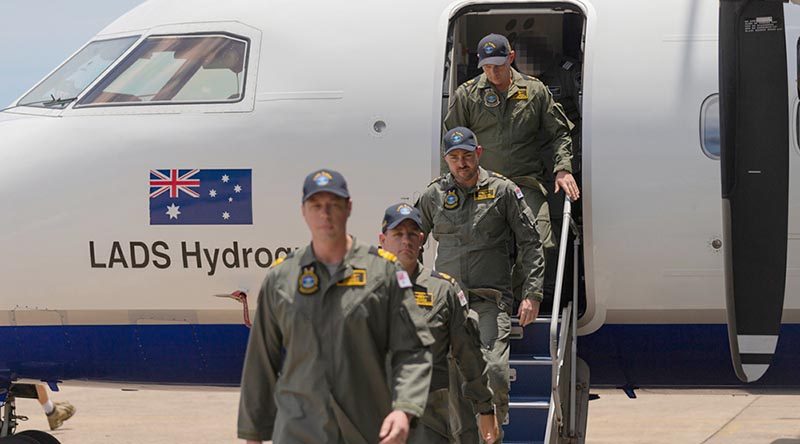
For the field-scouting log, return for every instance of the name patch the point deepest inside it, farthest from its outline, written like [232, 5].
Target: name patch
[522, 94]
[357, 279]
[424, 299]
[485, 194]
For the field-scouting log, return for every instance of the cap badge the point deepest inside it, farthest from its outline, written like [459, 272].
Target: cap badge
[457, 138]
[322, 178]
[489, 48]
[308, 283]
[451, 200]
[405, 210]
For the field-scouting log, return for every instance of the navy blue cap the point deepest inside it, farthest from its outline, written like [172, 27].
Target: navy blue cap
[493, 50]
[397, 213]
[460, 138]
[327, 181]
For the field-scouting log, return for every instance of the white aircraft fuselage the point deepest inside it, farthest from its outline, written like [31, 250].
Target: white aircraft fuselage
[93, 290]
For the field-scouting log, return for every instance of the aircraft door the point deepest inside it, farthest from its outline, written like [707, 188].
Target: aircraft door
[755, 176]
[548, 41]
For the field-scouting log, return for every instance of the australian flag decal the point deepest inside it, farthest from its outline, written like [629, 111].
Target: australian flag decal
[201, 197]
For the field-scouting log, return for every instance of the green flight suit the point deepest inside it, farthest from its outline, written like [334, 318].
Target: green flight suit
[475, 231]
[455, 332]
[315, 370]
[515, 128]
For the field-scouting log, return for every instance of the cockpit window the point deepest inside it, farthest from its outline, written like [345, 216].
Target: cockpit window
[176, 69]
[64, 85]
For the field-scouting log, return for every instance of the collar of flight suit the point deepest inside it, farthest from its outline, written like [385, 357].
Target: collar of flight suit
[517, 82]
[351, 258]
[417, 273]
[483, 179]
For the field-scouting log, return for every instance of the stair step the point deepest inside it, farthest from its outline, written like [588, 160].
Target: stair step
[529, 402]
[533, 339]
[530, 376]
[531, 373]
[527, 420]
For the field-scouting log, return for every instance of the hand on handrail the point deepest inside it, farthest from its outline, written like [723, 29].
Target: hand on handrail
[528, 311]
[565, 181]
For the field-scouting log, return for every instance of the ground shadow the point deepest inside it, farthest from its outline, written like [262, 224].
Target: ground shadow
[786, 441]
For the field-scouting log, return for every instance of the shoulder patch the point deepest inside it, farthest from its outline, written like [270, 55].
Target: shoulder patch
[438, 179]
[445, 276]
[388, 256]
[383, 253]
[280, 260]
[472, 81]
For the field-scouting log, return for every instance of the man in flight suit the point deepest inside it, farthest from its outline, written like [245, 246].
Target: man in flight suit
[515, 118]
[476, 215]
[453, 329]
[328, 316]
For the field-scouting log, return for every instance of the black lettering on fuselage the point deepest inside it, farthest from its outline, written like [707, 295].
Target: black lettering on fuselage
[212, 260]
[92, 257]
[284, 250]
[136, 261]
[161, 255]
[259, 262]
[232, 254]
[185, 254]
[245, 260]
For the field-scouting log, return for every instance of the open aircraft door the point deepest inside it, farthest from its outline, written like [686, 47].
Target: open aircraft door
[754, 122]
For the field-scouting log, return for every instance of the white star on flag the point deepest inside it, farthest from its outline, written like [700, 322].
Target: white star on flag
[173, 211]
[226, 215]
[230, 199]
[237, 189]
[225, 178]
[212, 193]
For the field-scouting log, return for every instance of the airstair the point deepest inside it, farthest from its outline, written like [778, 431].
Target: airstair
[549, 383]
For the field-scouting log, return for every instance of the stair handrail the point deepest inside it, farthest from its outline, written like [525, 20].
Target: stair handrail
[573, 380]
[555, 356]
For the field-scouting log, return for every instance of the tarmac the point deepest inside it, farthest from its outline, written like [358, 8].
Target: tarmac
[111, 415]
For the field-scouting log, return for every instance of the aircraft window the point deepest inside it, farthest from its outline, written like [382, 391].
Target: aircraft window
[797, 124]
[176, 69]
[64, 85]
[709, 126]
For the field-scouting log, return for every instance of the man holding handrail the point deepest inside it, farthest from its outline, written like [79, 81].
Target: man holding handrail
[477, 217]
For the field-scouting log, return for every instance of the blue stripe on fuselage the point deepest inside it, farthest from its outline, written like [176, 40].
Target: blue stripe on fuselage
[155, 354]
[679, 355]
[618, 355]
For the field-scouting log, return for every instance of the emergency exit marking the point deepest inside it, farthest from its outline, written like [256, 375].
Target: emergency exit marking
[762, 24]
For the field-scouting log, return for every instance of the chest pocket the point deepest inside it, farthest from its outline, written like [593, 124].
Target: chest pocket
[524, 117]
[444, 223]
[490, 222]
[436, 315]
[357, 301]
[293, 314]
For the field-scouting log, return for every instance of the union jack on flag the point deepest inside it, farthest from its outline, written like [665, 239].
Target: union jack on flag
[174, 183]
[201, 197]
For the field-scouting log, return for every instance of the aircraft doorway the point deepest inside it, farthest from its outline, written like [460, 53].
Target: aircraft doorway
[548, 39]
